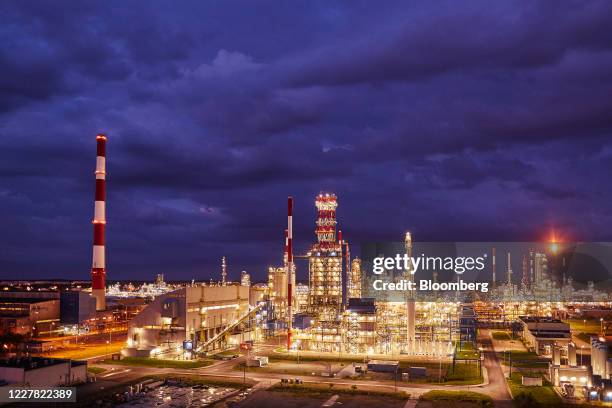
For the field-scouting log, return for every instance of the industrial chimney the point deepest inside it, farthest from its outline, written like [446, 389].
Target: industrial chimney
[98, 267]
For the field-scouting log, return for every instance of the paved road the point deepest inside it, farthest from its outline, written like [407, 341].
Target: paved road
[497, 388]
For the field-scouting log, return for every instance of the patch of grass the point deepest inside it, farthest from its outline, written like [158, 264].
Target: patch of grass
[319, 358]
[159, 363]
[501, 335]
[95, 370]
[464, 374]
[466, 351]
[463, 396]
[320, 389]
[544, 395]
[523, 359]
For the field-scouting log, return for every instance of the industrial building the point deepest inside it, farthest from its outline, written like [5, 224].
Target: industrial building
[335, 317]
[600, 358]
[543, 334]
[76, 307]
[207, 316]
[30, 313]
[42, 372]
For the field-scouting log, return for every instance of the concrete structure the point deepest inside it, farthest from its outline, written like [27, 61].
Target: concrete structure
[277, 291]
[257, 294]
[600, 361]
[42, 372]
[543, 334]
[29, 314]
[76, 306]
[197, 313]
[571, 354]
[98, 266]
[563, 374]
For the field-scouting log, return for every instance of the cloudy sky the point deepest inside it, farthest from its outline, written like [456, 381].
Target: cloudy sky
[472, 121]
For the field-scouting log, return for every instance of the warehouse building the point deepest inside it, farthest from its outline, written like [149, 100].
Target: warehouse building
[42, 372]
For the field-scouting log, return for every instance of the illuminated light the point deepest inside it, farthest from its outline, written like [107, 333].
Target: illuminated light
[563, 378]
[573, 379]
[583, 379]
[609, 394]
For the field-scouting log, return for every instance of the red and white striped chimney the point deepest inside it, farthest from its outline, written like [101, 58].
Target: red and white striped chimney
[98, 266]
[289, 271]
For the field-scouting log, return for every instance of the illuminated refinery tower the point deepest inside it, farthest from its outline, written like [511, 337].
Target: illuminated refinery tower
[325, 262]
[290, 269]
[98, 267]
[410, 304]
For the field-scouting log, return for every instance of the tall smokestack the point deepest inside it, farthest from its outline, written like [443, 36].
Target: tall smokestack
[98, 267]
[289, 270]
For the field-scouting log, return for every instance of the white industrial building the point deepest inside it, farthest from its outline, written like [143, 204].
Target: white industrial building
[206, 316]
[42, 372]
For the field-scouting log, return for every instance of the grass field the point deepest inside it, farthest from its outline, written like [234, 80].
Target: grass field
[448, 397]
[159, 363]
[523, 359]
[544, 395]
[464, 374]
[96, 370]
[466, 351]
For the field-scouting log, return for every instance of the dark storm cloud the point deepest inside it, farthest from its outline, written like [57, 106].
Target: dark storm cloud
[485, 122]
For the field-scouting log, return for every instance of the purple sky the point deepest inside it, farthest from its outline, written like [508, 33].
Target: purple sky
[472, 121]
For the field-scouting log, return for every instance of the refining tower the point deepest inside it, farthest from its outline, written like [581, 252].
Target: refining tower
[98, 266]
[325, 262]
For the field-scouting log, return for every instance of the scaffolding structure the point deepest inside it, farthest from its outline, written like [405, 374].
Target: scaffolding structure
[325, 278]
